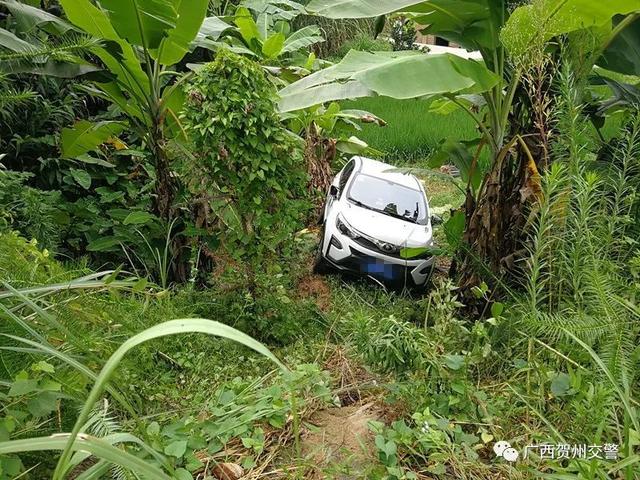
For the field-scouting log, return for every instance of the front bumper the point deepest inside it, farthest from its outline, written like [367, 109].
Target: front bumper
[348, 255]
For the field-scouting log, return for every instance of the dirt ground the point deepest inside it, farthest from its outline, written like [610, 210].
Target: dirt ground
[315, 287]
[340, 438]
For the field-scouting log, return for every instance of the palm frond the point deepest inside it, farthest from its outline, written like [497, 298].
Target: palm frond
[70, 48]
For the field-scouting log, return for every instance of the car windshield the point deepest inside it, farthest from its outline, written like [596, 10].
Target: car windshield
[389, 198]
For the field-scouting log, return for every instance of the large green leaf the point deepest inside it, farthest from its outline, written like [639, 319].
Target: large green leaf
[344, 71]
[11, 42]
[539, 22]
[82, 177]
[454, 229]
[191, 15]
[89, 18]
[139, 217]
[28, 17]
[623, 53]
[398, 75]
[303, 38]
[112, 92]
[420, 75]
[247, 25]
[124, 63]
[173, 101]
[104, 244]
[212, 28]
[264, 23]
[142, 22]
[51, 68]
[316, 95]
[272, 47]
[624, 96]
[85, 136]
[473, 24]
[38, 64]
[357, 8]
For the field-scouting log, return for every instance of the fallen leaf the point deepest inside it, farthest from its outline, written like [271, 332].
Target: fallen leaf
[228, 471]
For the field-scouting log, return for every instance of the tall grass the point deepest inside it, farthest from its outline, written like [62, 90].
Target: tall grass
[575, 272]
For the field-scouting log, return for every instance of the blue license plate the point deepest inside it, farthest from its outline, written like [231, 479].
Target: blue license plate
[381, 269]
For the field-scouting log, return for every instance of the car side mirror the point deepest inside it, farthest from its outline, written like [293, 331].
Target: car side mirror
[436, 219]
[333, 191]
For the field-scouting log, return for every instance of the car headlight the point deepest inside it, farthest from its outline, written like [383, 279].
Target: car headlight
[344, 228]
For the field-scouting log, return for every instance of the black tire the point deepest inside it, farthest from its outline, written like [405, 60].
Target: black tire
[320, 264]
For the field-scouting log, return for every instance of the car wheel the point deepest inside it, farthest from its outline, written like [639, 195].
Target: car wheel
[320, 264]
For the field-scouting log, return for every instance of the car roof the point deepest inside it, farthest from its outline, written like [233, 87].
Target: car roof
[379, 169]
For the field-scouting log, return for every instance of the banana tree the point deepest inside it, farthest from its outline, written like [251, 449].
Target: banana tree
[328, 132]
[134, 44]
[495, 216]
[261, 29]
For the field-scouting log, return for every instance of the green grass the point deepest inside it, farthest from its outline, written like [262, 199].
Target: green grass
[412, 133]
[444, 193]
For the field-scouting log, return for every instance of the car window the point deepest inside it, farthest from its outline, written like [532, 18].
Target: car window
[389, 198]
[344, 176]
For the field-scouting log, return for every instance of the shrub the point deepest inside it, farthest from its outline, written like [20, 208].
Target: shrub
[403, 34]
[31, 211]
[246, 176]
[22, 263]
[108, 202]
[391, 344]
[270, 312]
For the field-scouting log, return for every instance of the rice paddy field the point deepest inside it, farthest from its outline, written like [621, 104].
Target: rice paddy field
[412, 132]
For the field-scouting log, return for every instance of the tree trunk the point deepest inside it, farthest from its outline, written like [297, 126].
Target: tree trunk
[494, 241]
[319, 153]
[165, 185]
[163, 205]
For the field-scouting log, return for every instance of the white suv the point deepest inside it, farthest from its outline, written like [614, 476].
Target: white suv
[377, 223]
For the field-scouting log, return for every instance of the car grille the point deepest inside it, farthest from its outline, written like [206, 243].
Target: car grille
[365, 242]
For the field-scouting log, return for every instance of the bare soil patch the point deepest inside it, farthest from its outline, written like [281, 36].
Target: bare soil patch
[315, 287]
[340, 437]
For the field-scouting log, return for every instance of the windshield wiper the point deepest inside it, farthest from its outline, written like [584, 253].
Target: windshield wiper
[401, 217]
[384, 212]
[360, 204]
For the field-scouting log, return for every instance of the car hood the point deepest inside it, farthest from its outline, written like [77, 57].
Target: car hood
[386, 228]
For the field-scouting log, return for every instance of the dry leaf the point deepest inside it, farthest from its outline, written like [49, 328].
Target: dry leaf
[228, 471]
